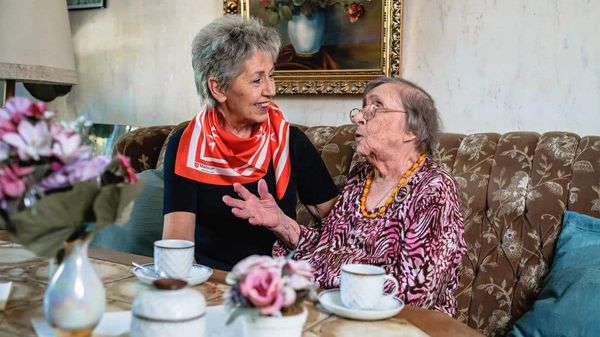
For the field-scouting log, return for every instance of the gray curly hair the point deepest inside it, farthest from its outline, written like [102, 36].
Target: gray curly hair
[423, 117]
[221, 47]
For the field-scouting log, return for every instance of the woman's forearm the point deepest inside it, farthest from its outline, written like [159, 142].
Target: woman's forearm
[288, 231]
[179, 225]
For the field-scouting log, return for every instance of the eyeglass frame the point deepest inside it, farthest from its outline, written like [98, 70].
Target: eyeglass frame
[369, 116]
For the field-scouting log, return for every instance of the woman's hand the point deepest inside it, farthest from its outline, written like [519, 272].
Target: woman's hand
[261, 210]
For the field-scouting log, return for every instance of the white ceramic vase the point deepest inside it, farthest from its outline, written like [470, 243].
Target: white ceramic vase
[306, 33]
[75, 298]
[268, 326]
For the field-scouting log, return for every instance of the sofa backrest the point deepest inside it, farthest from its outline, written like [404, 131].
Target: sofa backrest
[515, 188]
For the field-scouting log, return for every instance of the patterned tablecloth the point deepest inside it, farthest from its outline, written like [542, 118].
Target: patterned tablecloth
[28, 275]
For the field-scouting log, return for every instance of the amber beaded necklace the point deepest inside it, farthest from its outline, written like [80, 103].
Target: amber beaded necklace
[390, 199]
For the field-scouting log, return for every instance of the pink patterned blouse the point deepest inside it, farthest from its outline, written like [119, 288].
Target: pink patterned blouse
[419, 240]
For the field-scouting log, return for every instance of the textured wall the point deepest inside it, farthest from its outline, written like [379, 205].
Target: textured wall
[491, 65]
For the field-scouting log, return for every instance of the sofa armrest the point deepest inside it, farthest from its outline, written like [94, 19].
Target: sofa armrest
[143, 145]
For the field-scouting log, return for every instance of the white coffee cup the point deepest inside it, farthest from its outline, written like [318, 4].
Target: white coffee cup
[173, 258]
[362, 286]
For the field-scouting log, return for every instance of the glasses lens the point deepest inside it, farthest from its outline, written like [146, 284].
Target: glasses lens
[353, 113]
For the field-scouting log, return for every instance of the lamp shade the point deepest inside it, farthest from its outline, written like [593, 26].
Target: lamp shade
[35, 42]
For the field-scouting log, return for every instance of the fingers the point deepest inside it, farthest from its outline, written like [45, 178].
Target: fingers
[232, 202]
[242, 191]
[263, 190]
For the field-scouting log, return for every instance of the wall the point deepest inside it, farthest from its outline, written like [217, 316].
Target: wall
[491, 65]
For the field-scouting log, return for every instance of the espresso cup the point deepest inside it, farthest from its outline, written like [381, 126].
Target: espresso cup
[362, 286]
[173, 258]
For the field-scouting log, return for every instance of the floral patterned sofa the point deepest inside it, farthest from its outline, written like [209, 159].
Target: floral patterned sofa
[515, 188]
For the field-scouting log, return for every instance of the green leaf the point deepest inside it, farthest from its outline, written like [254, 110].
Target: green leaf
[44, 227]
[239, 311]
[272, 18]
[114, 203]
[285, 13]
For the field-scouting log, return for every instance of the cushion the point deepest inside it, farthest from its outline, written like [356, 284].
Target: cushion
[145, 223]
[569, 302]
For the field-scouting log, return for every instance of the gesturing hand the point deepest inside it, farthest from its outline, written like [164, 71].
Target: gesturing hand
[261, 210]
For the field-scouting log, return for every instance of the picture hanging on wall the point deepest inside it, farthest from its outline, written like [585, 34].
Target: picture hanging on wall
[85, 4]
[330, 47]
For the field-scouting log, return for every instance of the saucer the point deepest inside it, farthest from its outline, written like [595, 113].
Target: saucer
[198, 274]
[388, 307]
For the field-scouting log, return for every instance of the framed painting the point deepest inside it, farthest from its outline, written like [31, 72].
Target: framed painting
[85, 4]
[330, 46]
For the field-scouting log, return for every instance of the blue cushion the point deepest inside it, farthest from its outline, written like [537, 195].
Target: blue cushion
[569, 301]
[145, 223]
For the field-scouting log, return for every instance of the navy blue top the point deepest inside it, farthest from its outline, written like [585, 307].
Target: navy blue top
[222, 239]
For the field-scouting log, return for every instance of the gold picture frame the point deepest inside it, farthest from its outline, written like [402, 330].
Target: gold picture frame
[320, 73]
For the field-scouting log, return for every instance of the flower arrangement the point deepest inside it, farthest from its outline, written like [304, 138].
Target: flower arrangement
[52, 189]
[267, 286]
[284, 9]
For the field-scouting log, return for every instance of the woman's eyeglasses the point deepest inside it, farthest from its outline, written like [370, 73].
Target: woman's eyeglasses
[369, 112]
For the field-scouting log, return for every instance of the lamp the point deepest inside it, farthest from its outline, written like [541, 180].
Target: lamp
[35, 44]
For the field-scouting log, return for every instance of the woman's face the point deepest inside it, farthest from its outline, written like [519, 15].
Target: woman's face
[386, 132]
[246, 101]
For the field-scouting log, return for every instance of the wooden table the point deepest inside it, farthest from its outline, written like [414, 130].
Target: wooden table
[29, 277]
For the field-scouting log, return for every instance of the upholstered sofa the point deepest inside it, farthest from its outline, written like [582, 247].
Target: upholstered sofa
[515, 188]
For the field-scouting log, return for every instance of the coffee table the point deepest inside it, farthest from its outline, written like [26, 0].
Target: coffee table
[29, 277]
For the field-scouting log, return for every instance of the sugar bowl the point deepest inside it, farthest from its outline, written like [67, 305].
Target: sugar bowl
[169, 308]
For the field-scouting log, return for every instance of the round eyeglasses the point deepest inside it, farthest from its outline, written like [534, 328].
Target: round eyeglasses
[369, 112]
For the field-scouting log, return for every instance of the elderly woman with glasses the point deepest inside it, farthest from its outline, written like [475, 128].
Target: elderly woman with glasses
[398, 209]
[239, 138]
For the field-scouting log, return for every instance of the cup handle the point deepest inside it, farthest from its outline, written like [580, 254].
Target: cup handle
[396, 287]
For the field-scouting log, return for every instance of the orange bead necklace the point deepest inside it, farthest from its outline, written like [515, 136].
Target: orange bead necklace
[390, 199]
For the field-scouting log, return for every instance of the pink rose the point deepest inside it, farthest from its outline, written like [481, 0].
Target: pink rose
[11, 181]
[355, 11]
[263, 288]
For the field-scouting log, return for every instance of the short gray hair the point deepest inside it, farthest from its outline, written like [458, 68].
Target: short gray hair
[221, 47]
[423, 116]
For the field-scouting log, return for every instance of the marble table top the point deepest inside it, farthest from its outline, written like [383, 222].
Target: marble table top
[29, 278]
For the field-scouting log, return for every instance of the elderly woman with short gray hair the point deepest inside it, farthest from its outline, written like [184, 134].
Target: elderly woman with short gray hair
[398, 209]
[239, 140]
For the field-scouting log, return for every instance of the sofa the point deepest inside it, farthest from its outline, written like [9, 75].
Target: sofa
[515, 188]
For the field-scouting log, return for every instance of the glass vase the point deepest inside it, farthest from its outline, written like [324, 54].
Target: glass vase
[75, 298]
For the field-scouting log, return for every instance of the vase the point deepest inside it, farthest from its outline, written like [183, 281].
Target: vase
[75, 298]
[306, 33]
[270, 326]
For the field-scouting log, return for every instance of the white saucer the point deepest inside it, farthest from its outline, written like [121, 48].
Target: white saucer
[198, 274]
[389, 306]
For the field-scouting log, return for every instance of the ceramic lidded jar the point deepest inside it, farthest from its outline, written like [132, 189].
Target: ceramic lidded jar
[168, 309]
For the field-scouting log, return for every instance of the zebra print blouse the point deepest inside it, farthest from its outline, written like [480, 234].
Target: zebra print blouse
[419, 239]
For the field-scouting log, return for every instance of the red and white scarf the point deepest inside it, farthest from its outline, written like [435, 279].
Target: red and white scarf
[209, 154]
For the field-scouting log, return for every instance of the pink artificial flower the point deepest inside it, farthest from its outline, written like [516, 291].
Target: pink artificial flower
[126, 166]
[11, 180]
[4, 151]
[289, 296]
[17, 108]
[298, 274]
[80, 170]
[263, 288]
[354, 11]
[6, 123]
[256, 262]
[264, 3]
[31, 141]
[67, 146]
